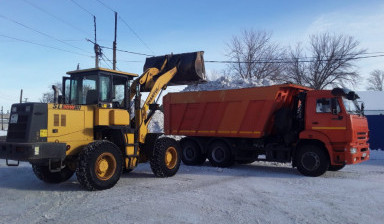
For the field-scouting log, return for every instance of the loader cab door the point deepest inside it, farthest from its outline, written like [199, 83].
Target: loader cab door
[325, 115]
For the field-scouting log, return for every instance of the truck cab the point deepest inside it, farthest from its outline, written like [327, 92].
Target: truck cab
[336, 119]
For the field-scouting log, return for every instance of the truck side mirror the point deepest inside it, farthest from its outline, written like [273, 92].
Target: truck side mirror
[334, 106]
[362, 108]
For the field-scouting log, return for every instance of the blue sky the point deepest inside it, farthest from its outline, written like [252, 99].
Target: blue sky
[165, 26]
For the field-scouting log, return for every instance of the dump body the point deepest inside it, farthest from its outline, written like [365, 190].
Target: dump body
[246, 113]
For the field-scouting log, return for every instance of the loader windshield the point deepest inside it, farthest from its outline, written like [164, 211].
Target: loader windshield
[84, 89]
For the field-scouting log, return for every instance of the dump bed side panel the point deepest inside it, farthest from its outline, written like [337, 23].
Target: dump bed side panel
[225, 113]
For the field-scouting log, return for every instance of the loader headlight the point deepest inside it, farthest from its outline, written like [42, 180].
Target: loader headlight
[353, 150]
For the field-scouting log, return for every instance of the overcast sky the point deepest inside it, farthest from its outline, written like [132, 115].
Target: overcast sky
[162, 27]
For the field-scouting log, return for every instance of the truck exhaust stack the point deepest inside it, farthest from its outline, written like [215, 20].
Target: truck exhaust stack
[190, 67]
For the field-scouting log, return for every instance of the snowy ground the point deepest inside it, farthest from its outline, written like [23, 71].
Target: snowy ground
[256, 193]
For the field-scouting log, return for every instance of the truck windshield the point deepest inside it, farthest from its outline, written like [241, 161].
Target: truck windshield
[351, 106]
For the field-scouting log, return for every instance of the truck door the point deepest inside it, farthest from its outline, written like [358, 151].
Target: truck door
[327, 118]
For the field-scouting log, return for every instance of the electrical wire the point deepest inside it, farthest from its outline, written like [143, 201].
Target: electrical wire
[137, 36]
[129, 27]
[40, 32]
[105, 5]
[43, 45]
[56, 17]
[81, 7]
[130, 52]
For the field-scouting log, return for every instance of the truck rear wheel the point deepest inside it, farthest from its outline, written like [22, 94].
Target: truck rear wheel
[192, 154]
[220, 155]
[43, 173]
[335, 167]
[312, 161]
[165, 161]
[99, 166]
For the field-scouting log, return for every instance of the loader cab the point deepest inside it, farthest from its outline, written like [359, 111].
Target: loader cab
[97, 86]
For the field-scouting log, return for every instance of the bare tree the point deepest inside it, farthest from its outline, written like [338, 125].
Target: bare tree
[330, 61]
[376, 80]
[47, 97]
[254, 55]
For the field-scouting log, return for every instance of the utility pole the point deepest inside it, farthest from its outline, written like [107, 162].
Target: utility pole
[2, 118]
[114, 44]
[21, 95]
[96, 46]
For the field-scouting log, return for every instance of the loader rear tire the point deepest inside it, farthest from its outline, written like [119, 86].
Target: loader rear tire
[192, 154]
[220, 155]
[99, 166]
[312, 161]
[165, 161]
[43, 173]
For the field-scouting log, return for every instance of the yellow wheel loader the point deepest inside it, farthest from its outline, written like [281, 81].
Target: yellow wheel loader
[98, 127]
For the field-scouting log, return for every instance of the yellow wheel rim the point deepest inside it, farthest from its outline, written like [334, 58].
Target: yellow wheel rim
[105, 166]
[171, 157]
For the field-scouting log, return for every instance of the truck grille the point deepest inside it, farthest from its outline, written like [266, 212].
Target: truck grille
[361, 135]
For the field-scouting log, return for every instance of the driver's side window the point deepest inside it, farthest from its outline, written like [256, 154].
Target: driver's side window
[324, 105]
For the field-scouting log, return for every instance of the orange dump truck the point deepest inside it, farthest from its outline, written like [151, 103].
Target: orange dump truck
[316, 130]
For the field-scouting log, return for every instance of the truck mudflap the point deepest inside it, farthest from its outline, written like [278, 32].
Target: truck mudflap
[32, 152]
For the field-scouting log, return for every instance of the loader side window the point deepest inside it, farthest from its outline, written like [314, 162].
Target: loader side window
[119, 90]
[105, 88]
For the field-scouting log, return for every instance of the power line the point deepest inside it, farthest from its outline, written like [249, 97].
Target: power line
[81, 7]
[106, 6]
[56, 17]
[129, 27]
[137, 36]
[42, 45]
[287, 60]
[40, 32]
[129, 52]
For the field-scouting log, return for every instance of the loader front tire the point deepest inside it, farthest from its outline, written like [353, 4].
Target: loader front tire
[165, 161]
[99, 166]
[43, 173]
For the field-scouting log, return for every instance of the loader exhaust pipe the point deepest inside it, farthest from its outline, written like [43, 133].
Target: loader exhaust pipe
[190, 67]
[55, 94]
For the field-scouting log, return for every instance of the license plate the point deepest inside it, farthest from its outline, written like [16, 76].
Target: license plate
[14, 118]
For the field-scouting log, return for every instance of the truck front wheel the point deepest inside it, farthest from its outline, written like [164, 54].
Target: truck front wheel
[312, 161]
[165, 161]
[99, 166]
[335, 167]
[192, 154]
[43, 173]
[220, 155]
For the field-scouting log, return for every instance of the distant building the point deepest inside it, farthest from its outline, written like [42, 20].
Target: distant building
[374, 110]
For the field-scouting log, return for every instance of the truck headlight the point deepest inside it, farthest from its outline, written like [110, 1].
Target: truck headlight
[353, 150]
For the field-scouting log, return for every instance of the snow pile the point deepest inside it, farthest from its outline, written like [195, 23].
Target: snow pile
[156, 125]
[228, 83]
[3, 133]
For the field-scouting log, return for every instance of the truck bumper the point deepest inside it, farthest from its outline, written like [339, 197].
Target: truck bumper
[346, 157]
[32, 152]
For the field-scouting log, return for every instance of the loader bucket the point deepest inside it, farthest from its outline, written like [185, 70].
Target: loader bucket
[190, 67]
